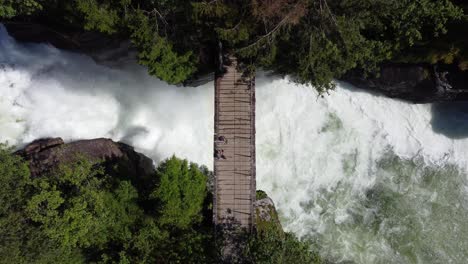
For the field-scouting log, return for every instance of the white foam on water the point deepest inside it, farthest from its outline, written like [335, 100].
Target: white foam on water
[317, 157]
[47, 92]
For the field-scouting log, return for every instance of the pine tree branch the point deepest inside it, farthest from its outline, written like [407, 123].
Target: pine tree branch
[276, 28]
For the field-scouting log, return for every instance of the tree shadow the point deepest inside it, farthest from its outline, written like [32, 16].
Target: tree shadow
[450, 119]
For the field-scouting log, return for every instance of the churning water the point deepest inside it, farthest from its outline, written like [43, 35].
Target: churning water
[367, 178]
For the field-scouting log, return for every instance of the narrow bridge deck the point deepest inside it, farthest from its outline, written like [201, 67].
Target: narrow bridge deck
[234, 146]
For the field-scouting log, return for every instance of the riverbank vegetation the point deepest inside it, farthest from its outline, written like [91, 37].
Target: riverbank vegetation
[313, 41]
[87, 213]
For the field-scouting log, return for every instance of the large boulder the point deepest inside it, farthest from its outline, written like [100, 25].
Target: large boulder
[46, 154]
[266, 216]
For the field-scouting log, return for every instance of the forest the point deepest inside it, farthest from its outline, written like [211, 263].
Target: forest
[312, 41]
[85, 212]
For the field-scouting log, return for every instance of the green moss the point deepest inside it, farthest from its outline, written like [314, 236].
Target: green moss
[273, 224]
[270, 244]
[261, 195]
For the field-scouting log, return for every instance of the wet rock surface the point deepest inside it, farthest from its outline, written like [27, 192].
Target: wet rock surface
[266, 214]
[416, 83]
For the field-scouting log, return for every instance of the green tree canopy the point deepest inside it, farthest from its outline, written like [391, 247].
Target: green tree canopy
[181, 193]
[78, 213]
[12, 8]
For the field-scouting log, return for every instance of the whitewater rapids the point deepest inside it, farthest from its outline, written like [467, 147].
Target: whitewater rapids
[366, 178]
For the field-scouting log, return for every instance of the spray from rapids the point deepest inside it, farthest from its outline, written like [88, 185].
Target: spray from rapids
[369, 179]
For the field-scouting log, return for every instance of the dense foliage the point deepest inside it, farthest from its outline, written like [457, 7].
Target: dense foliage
[314, 41]
[80, 213]
[12, 8]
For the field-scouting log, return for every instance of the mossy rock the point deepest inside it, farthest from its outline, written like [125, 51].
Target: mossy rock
[266, 216]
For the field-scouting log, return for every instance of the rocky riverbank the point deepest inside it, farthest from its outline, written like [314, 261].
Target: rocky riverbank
[417, 83]
[44, 155]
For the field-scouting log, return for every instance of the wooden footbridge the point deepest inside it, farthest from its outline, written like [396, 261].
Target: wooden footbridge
[234, 148]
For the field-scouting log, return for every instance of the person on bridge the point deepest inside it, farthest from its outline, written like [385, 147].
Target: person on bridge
[222, 139]
[217, 154]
